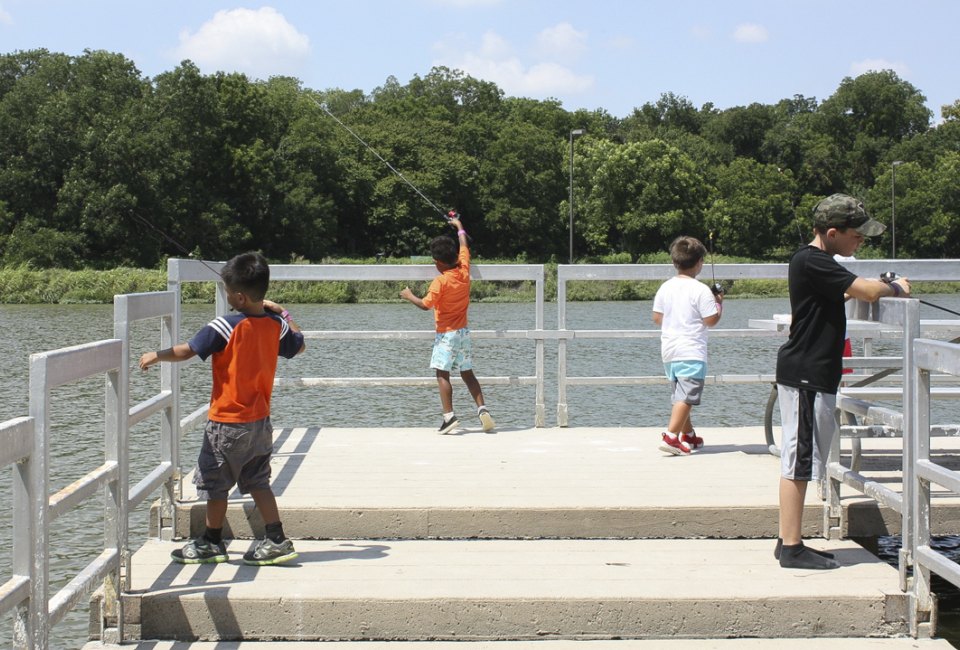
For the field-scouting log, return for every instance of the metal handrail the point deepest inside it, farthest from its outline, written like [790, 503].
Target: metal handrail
[26, 444]
[913, 269]
[180, 271]
[16, 448]
[928, 356]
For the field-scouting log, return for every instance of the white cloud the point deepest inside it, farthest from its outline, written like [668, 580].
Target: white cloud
[494, 46]
[260, 43]
[857, 68]
[5, 17]
[750, 33]
[495, 60]
[561, 42]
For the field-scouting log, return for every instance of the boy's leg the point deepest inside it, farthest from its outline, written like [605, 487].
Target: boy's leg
[216, 513]
[267, 505]
[792, 495]
[807, 424]
[679, 417]
[446, 390]
[473, 385]
[275, 548]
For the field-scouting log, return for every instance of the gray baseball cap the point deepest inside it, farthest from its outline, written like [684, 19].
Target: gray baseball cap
[843, 211]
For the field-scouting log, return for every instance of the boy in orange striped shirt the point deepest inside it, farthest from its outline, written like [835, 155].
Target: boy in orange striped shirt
[449, 297]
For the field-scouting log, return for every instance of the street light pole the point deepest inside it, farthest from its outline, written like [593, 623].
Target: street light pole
[574, 133]
[893, 208]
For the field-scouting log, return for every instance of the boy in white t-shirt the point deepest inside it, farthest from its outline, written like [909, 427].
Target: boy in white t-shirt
[685, 308]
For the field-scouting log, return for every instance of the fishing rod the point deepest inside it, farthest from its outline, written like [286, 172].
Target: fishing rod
[446, 215]
[890, 276]
[716, 288]
[173, 241]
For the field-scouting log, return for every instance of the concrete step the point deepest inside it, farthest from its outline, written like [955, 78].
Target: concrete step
[543, 483]
[513, 590]
[622, 644]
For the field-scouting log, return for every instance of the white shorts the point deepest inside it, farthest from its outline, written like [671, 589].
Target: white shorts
[809, 424]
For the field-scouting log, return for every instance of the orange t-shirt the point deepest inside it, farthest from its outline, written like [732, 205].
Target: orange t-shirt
[244, 349]
[449, 295]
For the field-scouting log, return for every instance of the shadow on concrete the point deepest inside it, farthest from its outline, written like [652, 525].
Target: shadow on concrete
[346, 551]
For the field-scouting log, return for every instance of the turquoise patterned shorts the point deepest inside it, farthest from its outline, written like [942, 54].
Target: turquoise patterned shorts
[452, 351]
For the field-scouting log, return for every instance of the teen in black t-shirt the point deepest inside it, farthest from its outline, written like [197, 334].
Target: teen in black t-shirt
[809, 364]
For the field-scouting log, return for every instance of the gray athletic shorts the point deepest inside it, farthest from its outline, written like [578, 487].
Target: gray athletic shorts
[234, 454]
[687, 390]
[809, 424]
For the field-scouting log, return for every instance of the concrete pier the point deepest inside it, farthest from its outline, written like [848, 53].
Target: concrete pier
[551, 535]
[545, 483]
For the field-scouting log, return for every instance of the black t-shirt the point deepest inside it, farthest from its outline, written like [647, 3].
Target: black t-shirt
[812, 357]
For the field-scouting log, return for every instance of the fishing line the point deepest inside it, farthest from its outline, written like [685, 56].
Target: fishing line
[173, 241]
[890, 276]
[433, 205]
[930, 304]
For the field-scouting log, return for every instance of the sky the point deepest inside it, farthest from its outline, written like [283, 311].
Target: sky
[614, 55]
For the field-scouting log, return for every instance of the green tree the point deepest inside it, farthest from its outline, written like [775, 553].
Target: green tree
[927, 208]
[867, 116]
[753, 210]
[639, 196]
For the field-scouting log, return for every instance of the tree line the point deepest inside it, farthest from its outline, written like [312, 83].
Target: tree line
[102, 167]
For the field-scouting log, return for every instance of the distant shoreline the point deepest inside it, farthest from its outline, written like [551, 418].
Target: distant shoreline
[64, 287]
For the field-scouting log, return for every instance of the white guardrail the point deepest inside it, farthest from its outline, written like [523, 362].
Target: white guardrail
[26, 446]
[181, 271]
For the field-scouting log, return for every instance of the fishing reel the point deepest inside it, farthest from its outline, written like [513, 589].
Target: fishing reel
[716, 289]
[452, 214]
[889, 276]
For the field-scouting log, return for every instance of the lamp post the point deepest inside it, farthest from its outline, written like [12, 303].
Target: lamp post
[573, 134]
[893, 208]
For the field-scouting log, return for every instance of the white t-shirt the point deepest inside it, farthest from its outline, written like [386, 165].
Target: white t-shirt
[684, 303]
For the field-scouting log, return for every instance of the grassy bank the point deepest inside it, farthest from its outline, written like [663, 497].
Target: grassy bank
[59, 286]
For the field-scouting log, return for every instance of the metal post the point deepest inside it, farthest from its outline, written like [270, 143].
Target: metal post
[574, 133]
[36, 631]
[562, 418]
[916, 491]
[910, 321]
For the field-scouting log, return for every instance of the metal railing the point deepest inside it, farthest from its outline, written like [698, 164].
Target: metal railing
[649, 272]
[181, 271]
[915, 270]
[26, 442]
[905, 316]
[926, 357]
[17, 449]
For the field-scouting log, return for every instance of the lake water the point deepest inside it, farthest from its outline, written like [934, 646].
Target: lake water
[77, 437]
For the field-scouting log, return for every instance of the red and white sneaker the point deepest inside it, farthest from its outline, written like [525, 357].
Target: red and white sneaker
[691, 440]
[672, 445]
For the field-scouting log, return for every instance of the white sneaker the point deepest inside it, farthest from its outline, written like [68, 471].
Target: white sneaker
[486, 420]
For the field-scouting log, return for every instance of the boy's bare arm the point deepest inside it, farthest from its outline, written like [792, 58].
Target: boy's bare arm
[278, 309]
[179, 352]
[710, 321]
[872, 290]
[409, 296]
[461, 233]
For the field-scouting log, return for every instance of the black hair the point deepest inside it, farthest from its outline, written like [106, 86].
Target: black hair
[444, 249]
[686, 252]
[249, 274]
